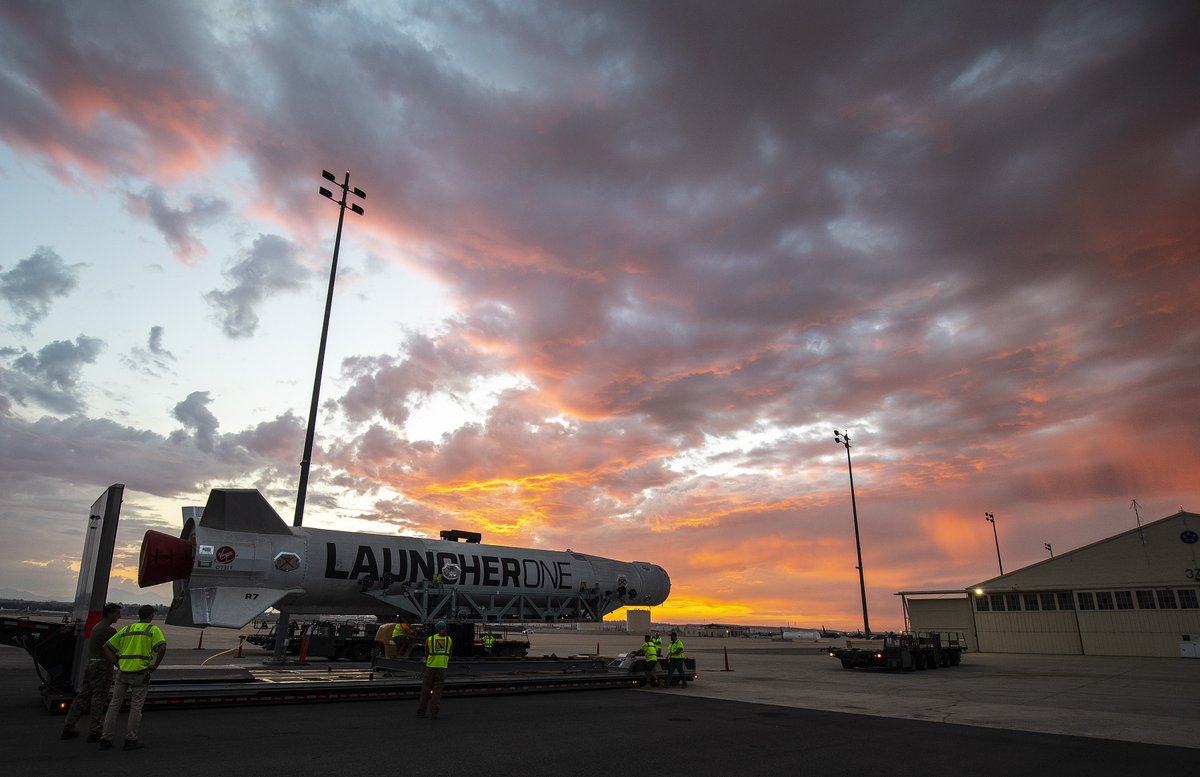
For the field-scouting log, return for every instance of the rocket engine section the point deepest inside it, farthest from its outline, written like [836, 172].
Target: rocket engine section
[241, 558]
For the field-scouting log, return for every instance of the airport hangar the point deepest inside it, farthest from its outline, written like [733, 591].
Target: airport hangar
[1132, 594]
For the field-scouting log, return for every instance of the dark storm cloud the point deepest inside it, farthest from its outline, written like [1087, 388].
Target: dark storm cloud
[31, 287]
[101, 92]
[154, 359]
[194, 414]
[98, 452]
[52, 469]
[156, 343]
[388, 386]
[268, 268]
[177, 225]
[702, 231]
[50, 378]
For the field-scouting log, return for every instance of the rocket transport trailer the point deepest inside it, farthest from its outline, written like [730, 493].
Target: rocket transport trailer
[924, 650]
[362, 640]
[237, 558]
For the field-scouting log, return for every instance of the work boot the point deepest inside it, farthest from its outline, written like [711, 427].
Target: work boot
[133, 744]
[105, 744]
[68, 733]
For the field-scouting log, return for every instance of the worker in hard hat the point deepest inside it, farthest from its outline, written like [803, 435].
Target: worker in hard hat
[488, 641]
[437, 657]
[649, 650]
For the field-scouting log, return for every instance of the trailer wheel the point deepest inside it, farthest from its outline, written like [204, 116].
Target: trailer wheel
[955, 659]
[360, 652]
[846, 664]
[919, 661]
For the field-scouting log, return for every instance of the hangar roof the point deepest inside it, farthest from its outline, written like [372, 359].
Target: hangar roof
[1156, 554]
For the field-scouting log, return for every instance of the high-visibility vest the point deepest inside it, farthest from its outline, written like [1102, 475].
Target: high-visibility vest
[135, 645]
[437, 651]
[650, 651]
[488, 640]
[675, 649]
[401, 629]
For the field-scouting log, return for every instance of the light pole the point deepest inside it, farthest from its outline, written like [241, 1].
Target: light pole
[281, 626]
[843, 438]
[316, 395]
[992, 520]
[1050, 548]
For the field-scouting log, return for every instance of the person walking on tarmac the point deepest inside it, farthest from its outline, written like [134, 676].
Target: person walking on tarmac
[437, 658]
[488, 641]
[650, 651]
[136, 651]
[92, 698]
[675, 656]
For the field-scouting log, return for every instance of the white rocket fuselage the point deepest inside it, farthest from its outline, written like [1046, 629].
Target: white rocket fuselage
[244, 559]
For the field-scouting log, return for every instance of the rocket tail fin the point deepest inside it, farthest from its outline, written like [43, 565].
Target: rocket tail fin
[230, 608]
[242, 509]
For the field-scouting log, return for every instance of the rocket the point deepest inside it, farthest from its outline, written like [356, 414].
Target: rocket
[240, 558]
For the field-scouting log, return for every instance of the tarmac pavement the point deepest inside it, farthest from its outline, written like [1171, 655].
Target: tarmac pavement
[782, 707]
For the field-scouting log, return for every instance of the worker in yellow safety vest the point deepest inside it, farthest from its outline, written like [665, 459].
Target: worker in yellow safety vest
[437, 657]
[92, 697]
[136, 651]
[402, 635]
[675, 656]
[649, 650]
[488, 643]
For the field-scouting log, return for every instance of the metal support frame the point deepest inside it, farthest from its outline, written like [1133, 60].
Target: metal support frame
[469, 603]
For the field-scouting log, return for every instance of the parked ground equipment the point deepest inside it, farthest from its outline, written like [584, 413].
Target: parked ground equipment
[507, 641]
[331, 639]
[924, 650]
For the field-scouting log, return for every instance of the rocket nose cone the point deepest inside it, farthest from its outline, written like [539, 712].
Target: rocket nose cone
[656, 585]
[163, 558]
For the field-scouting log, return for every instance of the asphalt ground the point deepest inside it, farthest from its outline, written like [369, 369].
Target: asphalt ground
[781, 707]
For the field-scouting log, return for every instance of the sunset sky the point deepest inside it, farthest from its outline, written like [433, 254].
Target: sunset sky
[624, 268]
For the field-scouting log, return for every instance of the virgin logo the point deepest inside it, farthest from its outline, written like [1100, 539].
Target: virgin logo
[225, 555]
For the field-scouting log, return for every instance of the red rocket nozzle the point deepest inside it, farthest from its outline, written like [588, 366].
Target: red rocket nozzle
[164, 558]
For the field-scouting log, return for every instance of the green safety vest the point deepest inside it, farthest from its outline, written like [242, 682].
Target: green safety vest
[401, 629]
[488, 640]
[650, 651]
[675, 649]
[135, 645]
[437, 651]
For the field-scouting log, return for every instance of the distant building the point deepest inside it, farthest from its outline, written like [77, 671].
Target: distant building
[720, 630]
[1134, 594]
[637, 621]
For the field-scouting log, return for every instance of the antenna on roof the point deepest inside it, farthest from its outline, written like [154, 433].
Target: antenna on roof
[1133, 505]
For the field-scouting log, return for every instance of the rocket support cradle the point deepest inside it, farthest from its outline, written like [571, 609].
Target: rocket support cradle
[241, 558]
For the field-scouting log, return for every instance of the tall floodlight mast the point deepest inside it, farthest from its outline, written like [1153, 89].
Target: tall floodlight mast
[843, 438]
[281, 627]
